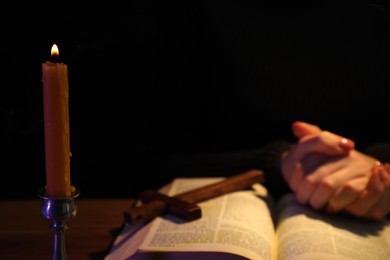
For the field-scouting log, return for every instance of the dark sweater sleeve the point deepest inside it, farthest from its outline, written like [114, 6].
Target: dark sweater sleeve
[219, 164]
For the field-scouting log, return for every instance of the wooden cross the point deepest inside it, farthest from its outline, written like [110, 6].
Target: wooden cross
[184, 204]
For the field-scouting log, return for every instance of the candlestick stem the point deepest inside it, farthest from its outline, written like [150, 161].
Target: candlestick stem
[58, 211]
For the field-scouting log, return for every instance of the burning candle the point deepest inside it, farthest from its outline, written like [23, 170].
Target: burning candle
[56, 126]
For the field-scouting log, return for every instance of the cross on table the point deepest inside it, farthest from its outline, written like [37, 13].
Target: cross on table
[184, 204]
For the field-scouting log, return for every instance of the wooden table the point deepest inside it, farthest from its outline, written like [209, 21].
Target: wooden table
[25, 234]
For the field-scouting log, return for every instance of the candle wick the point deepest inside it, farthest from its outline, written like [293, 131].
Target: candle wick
[54, 58]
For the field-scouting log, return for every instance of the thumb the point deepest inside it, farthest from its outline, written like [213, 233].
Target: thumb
[303, 130]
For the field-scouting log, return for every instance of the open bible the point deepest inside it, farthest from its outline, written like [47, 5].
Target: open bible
[249, 224]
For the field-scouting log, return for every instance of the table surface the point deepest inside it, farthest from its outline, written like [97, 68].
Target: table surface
[25, 234]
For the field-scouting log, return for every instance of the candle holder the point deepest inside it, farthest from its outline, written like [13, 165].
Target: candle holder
[58, 211]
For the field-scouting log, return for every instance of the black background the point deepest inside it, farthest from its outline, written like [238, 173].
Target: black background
[146, 81]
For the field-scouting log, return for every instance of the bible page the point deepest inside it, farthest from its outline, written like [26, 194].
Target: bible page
[303, 233]
[238, 223]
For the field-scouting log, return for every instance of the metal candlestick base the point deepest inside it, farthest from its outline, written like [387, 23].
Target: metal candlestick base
[58, 211]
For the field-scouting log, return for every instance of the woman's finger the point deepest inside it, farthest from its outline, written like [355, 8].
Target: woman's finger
[301, 129]
[338, 177]
[310, 176]
[368, 198]
[381, 208]
[349, 193]
[325, 143]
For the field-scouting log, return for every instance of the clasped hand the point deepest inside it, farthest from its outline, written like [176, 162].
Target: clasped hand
[327, 173]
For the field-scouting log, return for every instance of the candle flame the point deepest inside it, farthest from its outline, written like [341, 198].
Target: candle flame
[55, 51]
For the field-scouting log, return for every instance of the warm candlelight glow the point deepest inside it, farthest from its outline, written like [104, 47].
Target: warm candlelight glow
[54, 50]
[56, 121]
